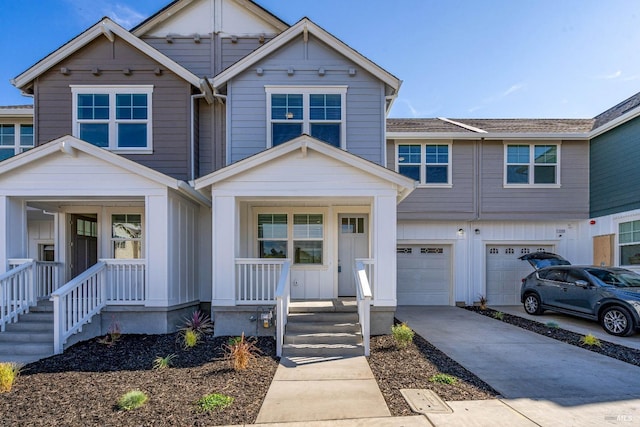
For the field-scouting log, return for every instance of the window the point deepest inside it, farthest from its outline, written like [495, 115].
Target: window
[429, 164]
[317, 111]
[15, 139]
[629, 242]
[126, 236]
[115, 118]
[531, 164]
[282, 233]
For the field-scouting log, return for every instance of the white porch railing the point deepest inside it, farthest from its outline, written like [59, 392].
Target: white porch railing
[257, 280]
[283, 298]
[107, 282]
[17, 292]
[48, 275]
[363, 298]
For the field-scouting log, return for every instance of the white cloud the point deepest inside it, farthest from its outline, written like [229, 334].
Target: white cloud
[125, 16]
[416, 113]
[611, 76]
[89, 12]
[516, 87]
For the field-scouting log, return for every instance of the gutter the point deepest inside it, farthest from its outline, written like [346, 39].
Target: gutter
[192, 139]
[192, 194]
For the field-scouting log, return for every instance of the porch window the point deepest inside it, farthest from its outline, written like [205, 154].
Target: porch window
[115, 118]
[429, 164]
[532, 164]
[316, 111]
[126, 236]
[299, 233]
[15, 139]
[629, 242]
[272, 235]
[308, 236]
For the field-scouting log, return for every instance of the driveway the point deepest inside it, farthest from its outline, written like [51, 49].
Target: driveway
[549, 382]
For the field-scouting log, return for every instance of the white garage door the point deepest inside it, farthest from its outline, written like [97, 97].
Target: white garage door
[505, 271]
[424, 274]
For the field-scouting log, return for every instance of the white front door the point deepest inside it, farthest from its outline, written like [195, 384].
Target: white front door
[353, 242]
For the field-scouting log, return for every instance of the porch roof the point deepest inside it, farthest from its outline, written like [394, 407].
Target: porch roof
[304, 143]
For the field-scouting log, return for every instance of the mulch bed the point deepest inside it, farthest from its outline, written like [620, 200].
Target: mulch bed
[616, 351]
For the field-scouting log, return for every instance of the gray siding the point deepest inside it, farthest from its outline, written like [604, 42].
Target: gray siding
[195, 57]
[614, 172]
[364, 105]
[234, 50]
[171, 99]
[212, 130]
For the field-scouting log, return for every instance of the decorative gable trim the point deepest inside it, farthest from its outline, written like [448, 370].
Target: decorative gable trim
[106, 27]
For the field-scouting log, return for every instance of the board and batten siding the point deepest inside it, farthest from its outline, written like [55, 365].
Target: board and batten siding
[614, 171]
[364, 98]
[569, 201]
[171, 100]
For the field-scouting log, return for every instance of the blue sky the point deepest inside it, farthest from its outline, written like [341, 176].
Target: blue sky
[457, 58]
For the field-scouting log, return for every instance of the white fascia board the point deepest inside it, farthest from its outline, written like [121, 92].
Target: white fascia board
[293, 32]
[487, 136]
[631, 114]
[262, 14]
[102, 28]
[16, 112]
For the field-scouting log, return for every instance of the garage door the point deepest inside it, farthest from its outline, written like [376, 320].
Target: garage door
[424, 274]
[505, 272]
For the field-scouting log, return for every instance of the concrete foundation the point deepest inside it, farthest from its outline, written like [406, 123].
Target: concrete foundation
[233, 321]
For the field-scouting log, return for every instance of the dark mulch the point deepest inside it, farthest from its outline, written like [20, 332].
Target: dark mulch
[412, 367]
[616, 351]
[81, 386]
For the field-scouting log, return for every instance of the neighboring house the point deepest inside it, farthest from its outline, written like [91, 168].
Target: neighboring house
[217, 157]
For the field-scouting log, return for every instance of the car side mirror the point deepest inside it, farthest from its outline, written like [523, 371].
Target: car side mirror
[582, 284]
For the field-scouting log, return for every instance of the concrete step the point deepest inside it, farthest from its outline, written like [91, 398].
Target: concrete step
[44, 306]
[327, 327]
[322, 338]
[322, 350]
[26, 348]
[22, 326]
[323, 306]
[26, 336]
[35, 316]
[24, 359]
[323, 317]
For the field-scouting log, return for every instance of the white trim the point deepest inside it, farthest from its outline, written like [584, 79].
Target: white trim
[423, 163]
[112, 121]
[9, 112]
[102, 28]
[531, 165]
[462, 125]
[306, 121]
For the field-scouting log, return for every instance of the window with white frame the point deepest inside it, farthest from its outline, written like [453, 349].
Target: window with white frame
[318, 111]
[302, 234]
[15, 139]
[427, 163]
[532, 164]
[629, 242]
[113, 117]
[126, 236]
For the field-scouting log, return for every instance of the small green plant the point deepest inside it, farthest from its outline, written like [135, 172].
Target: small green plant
[483, 302]
[240, 352]
[132, 400]
[590, 341]
[9, 372]
[498, 315]
[190, 338]
[443, 379]
[552, 325]
[199, 322]
[160, 363]
[214, 402]
[402, 334]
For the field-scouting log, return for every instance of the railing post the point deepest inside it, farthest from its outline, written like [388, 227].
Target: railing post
[58, 323]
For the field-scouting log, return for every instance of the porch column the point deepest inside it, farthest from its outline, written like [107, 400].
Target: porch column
[384, 242]
[157, 250]
[13, 230]
[224, 234]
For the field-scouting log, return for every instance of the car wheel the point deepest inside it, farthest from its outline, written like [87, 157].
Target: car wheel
[532, 304]
[617, 321]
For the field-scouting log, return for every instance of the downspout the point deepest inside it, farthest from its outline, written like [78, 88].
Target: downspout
[192, 142]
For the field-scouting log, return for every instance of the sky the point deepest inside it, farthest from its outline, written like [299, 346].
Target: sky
[456, 58]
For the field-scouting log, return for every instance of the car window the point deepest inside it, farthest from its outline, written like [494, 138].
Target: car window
[574, 275]
[621, 279]
[552, 274]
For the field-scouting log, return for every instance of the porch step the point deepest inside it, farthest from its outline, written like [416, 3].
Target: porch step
[31, 338]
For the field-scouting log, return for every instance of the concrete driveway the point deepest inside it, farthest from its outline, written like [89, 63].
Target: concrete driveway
[549, 382]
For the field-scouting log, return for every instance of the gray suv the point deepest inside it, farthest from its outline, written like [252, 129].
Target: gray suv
[609, 295]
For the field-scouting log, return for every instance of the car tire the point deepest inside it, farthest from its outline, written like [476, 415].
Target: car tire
[617, 321]
[532, 304]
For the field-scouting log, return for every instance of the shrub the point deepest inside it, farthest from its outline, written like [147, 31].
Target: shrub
[590, 340]
[498, 315]
[443, 379]
[552, 325]
[190, 338]
[132, 400]
[240, 352]
[483, 302]
[9, 372]
[199, 322]
[113, 333]
[214, 401]
[160, 362]
[402, 334]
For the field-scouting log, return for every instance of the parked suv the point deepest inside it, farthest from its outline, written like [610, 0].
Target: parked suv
[609, 295]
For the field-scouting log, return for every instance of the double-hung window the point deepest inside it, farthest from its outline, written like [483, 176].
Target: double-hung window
[532, 164]
[15, 139]
[427, 163]
[126, 236]
[629, 242]
[318, 111]
[116, 118]
[302, 234]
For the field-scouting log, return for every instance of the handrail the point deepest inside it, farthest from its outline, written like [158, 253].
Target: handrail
[17, 293]
[363, 297]
[283, 298]
[256, 280]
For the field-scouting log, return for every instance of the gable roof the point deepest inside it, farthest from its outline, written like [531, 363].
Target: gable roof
[177, 5]
[304, 26]
[105, 27]
[69, 145]
[303, 143]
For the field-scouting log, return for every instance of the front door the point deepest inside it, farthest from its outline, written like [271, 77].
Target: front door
[83, 243]
[353, 242]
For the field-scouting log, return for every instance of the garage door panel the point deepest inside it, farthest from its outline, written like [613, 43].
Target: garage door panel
[424, 275]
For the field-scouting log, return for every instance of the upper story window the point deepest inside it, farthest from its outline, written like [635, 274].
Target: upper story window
[318, 111]
[427, 163]
[113, 117]
[15, 139]
[532, 164]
